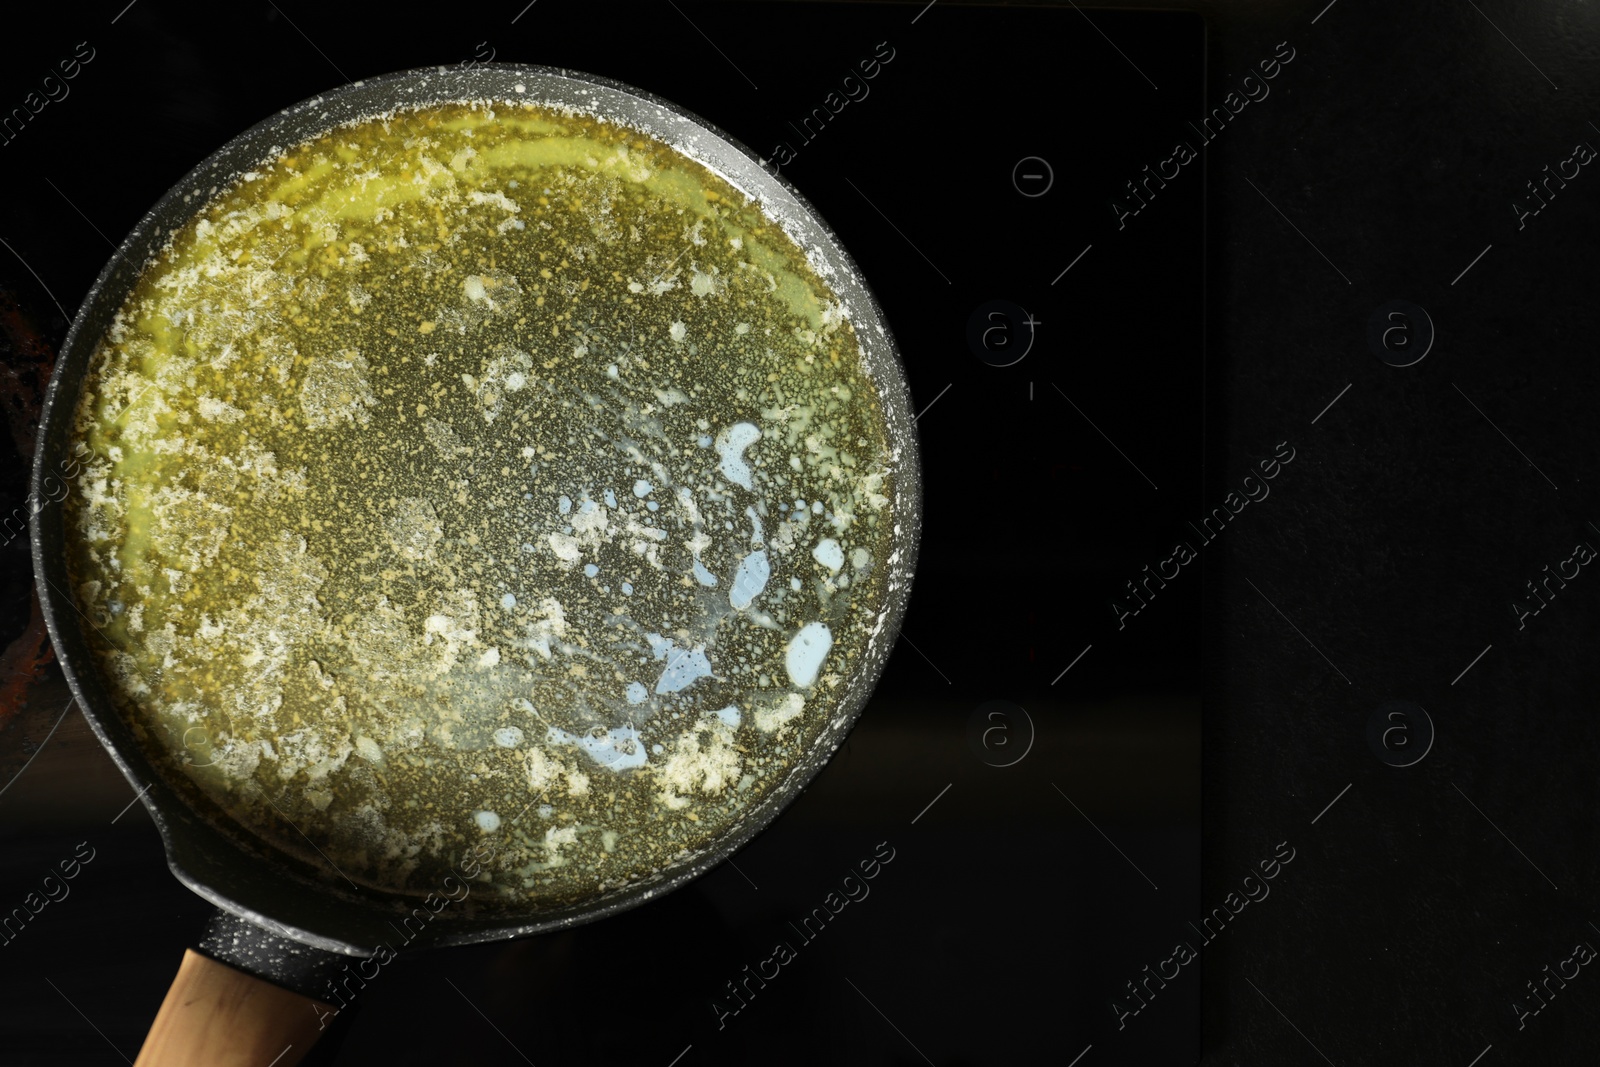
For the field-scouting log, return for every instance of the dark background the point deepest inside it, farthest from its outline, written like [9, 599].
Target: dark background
[1420, 900]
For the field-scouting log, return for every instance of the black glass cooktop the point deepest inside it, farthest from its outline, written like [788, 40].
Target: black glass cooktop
[1256, 351]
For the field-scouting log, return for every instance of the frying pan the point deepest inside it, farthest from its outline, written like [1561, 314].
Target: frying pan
[285, 930]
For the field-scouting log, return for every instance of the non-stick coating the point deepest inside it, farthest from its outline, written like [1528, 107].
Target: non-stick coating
[242, 874]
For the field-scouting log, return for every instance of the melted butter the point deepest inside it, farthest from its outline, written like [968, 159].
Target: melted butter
[403, 528]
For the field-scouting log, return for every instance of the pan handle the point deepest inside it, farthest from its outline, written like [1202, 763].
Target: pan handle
[216, 1016]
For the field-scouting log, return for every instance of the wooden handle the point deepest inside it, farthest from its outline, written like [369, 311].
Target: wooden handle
[215, 1016]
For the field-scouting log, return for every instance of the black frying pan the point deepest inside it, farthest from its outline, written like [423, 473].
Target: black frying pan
[281, 920]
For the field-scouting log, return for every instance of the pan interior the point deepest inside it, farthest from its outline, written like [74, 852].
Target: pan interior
[481, 474]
